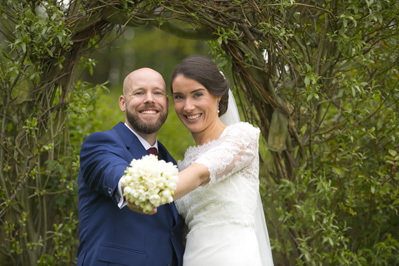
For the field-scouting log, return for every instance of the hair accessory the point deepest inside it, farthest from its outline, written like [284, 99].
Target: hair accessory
[222, 74]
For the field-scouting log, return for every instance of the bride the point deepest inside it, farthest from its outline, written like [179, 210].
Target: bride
[218, 189]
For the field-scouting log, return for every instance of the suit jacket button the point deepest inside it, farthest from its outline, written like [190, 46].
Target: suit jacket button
[109, 191]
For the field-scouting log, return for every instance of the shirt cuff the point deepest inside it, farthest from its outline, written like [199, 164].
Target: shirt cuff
[119, 196]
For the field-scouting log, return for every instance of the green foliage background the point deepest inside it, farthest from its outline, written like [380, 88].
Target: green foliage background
[320, 79]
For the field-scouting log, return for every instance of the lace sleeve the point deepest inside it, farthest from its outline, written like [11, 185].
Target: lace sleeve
[237, 148]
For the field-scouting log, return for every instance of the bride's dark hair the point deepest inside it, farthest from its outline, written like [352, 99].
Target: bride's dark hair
[204, 70]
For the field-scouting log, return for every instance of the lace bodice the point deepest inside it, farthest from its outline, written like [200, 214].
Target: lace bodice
[231, 194]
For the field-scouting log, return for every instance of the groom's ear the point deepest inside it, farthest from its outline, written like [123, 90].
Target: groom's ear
[122, 103]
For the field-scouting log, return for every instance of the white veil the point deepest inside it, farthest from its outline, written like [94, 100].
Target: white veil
[231, 117]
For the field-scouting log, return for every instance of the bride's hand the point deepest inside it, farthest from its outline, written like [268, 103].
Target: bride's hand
[137, 209]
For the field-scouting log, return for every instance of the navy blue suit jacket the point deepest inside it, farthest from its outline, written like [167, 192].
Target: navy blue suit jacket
[112, 236]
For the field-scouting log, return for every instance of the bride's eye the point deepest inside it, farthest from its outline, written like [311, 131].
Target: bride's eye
[177, 97]
[198, 94]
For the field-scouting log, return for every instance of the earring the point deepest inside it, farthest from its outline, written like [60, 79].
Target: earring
[218, 107]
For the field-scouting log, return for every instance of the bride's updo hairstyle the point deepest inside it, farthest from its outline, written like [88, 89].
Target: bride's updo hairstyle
[204, 71]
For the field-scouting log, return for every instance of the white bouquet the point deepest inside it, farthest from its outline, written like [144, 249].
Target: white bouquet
[149, 182]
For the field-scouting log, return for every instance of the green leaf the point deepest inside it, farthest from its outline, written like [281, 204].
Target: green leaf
[393, 153]
[307, 81]
[338, 171]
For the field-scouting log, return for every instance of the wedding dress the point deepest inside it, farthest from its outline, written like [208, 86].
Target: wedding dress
[221, 214]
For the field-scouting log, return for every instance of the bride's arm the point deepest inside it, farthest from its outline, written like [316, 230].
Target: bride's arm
[237, 150]
[190, 178]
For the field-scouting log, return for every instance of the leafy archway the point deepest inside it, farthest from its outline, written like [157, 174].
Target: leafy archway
[319, 78]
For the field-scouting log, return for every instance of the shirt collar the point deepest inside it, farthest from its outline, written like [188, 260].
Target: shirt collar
[143, 142]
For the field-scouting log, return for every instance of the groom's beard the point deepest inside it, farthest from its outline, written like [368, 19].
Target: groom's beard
[145, 127]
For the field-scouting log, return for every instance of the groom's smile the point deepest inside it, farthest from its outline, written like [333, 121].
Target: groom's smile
[149, 112]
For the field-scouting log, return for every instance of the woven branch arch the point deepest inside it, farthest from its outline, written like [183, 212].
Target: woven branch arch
[239, 29]
[319, 78]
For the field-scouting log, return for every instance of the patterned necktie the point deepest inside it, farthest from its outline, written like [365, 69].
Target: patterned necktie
[153, 150]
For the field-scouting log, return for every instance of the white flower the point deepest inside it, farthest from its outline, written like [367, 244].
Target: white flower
[149, 182]
[166, 193]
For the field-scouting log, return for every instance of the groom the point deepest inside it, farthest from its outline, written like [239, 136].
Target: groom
[109, 233]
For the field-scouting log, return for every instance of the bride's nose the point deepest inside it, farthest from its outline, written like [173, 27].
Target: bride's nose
[188, 105]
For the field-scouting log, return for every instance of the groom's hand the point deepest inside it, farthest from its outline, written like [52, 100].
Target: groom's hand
[137, 209]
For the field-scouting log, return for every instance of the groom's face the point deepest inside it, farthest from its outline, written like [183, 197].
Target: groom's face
[145, 101]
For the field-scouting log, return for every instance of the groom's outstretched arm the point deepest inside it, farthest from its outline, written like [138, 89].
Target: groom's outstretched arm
[101, 163]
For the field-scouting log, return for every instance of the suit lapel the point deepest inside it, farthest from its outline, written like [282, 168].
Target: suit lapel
[131, 141]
